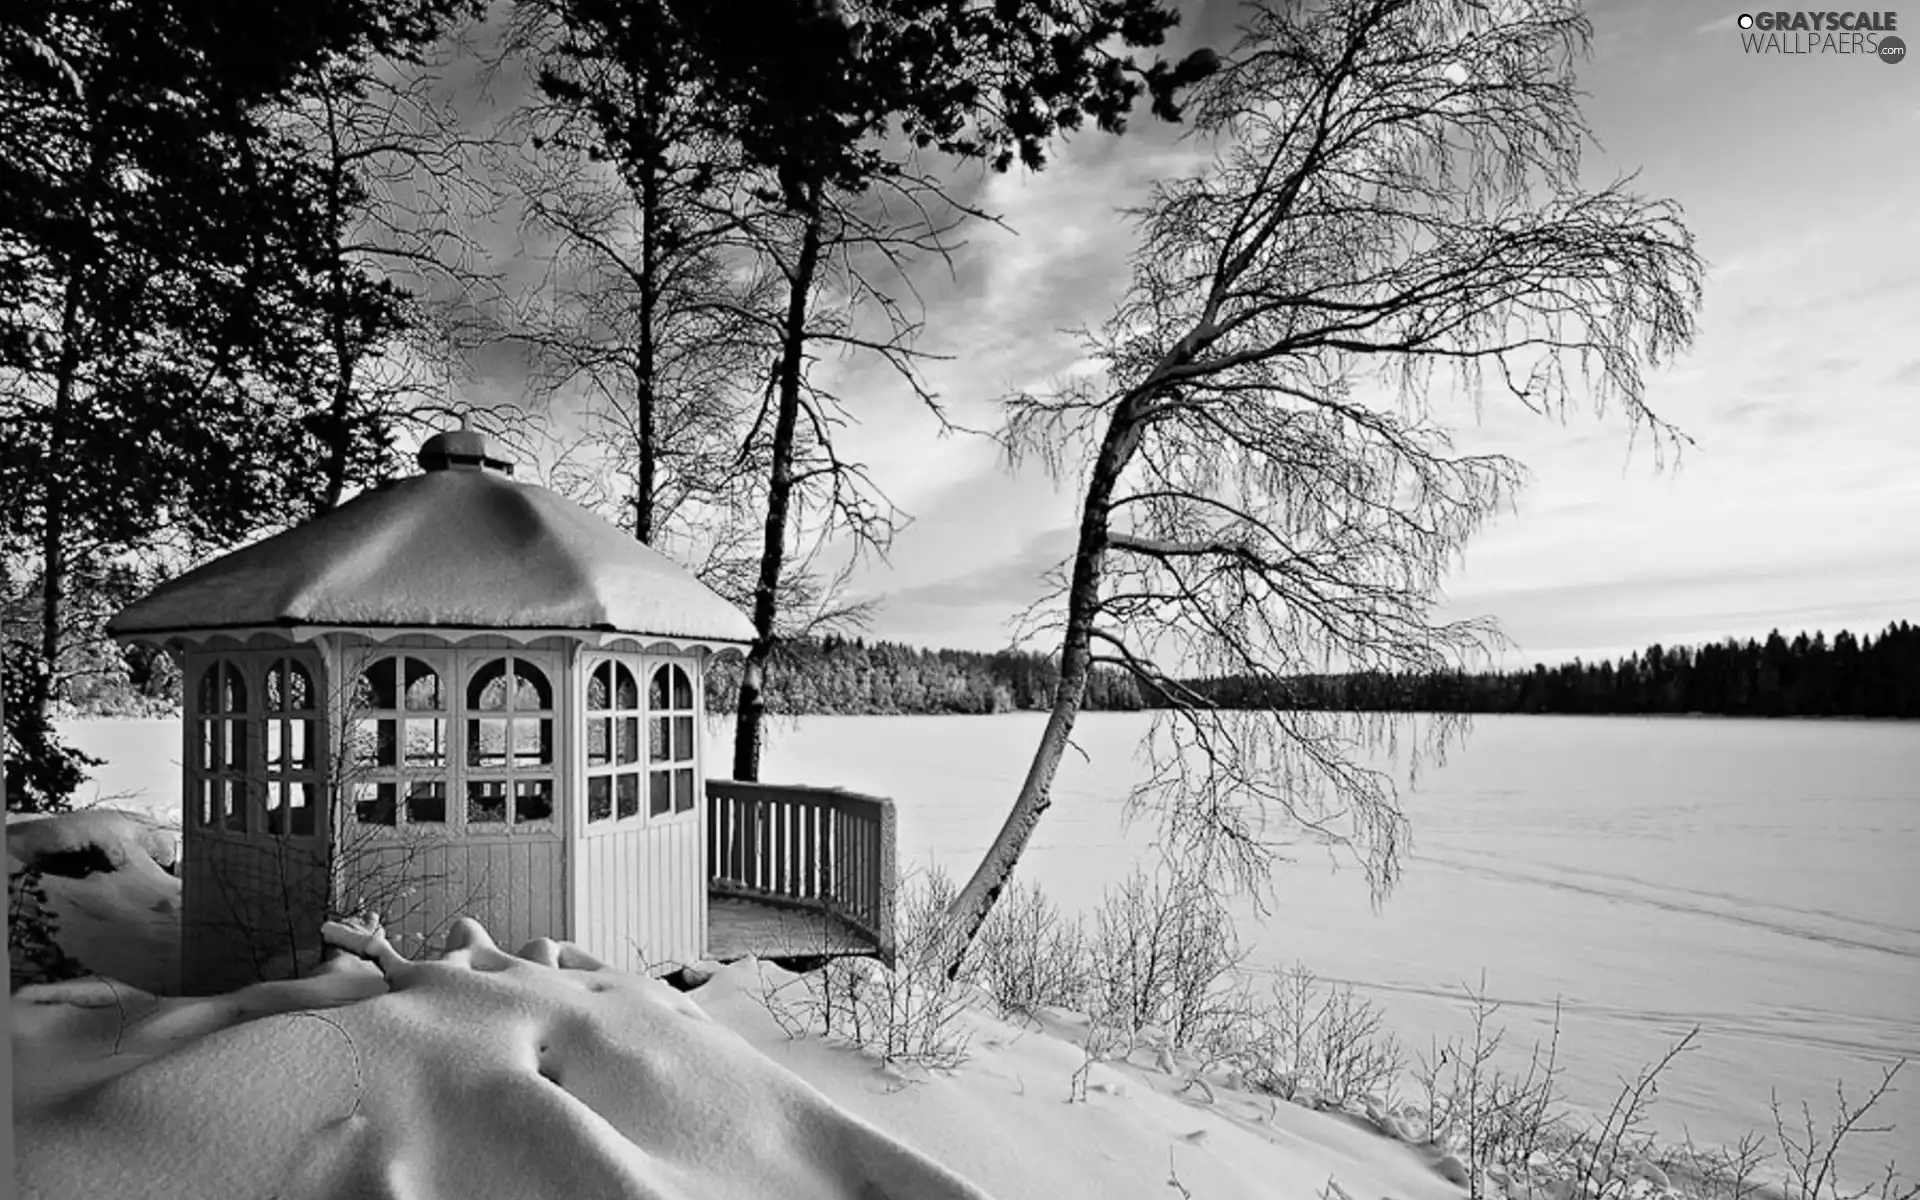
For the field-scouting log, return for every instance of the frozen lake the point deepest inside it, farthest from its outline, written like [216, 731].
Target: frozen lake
[1758, 879]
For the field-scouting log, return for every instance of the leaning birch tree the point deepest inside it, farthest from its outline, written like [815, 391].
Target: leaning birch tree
[623, 167]
[1390, 212]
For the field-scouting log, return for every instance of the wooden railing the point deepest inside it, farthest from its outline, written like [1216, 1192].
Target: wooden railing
[806, 847]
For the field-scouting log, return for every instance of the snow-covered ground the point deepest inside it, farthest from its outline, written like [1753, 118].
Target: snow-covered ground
[487, 1074]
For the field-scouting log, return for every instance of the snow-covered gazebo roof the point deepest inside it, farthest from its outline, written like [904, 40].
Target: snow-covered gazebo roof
[460, 546]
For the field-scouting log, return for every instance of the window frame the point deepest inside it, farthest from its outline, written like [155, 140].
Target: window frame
[218, 788]
[615, 714]
[673, 714]
[399, 773]
[277, 723]
[244, 783]
[457, 668]
[509, 772]
[643, 665]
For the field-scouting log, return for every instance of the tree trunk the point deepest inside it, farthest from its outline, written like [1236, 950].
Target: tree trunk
[643, 517]
[970, 908]
[337, 433]
[334, 434]
[53, 529]
[751, 712]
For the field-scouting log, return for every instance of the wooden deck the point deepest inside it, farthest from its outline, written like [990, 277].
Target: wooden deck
[737, 928]
[780, 857]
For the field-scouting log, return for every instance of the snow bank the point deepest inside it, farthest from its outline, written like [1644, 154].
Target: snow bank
[122, 837]
[478, 1075]
[484, 1074]
[116, 908]
[1006, 1119]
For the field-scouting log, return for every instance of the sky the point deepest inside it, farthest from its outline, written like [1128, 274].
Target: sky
[1797, 505]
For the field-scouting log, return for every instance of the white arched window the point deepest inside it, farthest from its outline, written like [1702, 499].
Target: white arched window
[614, 769]
[292, 767]
[670, 748]
[222, 761]
[456, 740]
[398, 742]
[255, 754]
[509, 736]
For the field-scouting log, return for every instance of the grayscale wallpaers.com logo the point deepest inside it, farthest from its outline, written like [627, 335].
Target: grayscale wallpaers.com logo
[1866, 33]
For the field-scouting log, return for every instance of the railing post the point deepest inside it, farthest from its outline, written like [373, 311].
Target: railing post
[883, 926]
[762, 840]
[737, 842]
[780, 814]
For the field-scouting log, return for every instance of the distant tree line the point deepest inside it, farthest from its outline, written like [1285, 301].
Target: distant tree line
[1808, 676]
[835, 674]
[1805, 677]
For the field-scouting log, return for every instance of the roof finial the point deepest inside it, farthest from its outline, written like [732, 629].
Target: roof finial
[464, 448]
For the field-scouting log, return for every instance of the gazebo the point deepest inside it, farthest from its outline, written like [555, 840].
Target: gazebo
[459, 694]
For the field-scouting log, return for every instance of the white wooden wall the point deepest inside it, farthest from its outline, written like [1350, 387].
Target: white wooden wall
[248, 910]
[642, 899]
[515, 887]
[251, 904]
[633, 895]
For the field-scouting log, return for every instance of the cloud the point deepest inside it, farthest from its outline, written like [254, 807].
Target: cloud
[1798, 390]
[1015, 580]
[974, 555]
[1861, 591]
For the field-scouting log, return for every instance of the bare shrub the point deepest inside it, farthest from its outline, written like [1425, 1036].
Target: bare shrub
[1028, 956]
[35, 954]
[1164, 954]
[1098, 1047]
[1810, 1153]
[1347, 1052]
[1305, 1041]
[1510, 1135]
[905, 1014]
[1499, 1121]
[1720, 1173]
[1608, 1161]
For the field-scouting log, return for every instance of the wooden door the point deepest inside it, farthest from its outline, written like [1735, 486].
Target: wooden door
[640, 881]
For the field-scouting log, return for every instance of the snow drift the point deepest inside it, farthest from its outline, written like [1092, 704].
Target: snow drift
[106, 876]
[548, 1074]
[477, 1075]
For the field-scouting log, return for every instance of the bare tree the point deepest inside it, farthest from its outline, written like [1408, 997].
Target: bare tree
[623, 171]
[845, 258]
[669, 268]
[1391, 208]
[835, 106]
[389, 166]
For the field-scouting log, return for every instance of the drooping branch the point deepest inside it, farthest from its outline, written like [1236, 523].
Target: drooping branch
[1393, 202]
